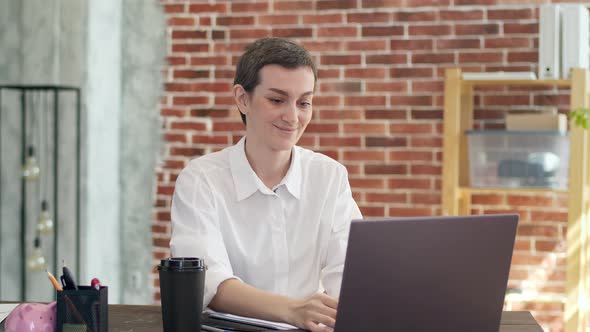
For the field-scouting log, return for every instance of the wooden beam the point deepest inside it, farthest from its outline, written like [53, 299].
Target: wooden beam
[451, 143]
[577, 232]
[466, 118]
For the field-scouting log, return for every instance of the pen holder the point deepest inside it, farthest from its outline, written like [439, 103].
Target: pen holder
[82, 310]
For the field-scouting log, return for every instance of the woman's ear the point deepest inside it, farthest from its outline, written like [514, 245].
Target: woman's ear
[241, 98]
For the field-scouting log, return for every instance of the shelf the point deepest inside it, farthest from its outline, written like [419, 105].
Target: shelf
[534, 298]
[459, 117]
[562, 83]
[518, 132]
[501, 190]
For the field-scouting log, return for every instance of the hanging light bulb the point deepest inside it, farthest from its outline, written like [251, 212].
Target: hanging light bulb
[36, 261]
[45, 222]
[31, 168]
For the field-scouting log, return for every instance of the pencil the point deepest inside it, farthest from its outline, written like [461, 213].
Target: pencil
[53, 281]
[76, 312]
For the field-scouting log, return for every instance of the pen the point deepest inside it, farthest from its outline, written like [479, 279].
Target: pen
[54, 281]
[67, 278]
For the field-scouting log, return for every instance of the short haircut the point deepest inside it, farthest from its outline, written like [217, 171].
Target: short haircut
[270, 51]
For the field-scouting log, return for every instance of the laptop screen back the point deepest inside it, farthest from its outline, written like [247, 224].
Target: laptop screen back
[426, 274]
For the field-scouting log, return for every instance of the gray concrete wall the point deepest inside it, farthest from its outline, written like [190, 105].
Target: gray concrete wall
[103, 102]
[31, 48]
[144, 40]
[115, 55]
[10, 68]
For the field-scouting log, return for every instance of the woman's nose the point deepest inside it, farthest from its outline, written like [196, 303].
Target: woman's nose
[290, 114]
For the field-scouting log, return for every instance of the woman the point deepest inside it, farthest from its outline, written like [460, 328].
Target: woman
[270, 218]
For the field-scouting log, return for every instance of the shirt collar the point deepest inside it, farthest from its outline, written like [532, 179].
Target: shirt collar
[246, 182]
[292, 179]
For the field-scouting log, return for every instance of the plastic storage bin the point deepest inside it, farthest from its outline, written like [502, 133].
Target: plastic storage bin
[518, 159]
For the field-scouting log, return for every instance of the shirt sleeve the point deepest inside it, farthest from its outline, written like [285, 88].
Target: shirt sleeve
[196, 231]
[345, 210]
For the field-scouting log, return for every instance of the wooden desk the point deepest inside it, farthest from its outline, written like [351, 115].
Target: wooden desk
[144, 318]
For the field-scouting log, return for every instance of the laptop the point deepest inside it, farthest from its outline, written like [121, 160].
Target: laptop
[426, 274]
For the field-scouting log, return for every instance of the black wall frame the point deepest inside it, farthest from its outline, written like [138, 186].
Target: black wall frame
[55, 91]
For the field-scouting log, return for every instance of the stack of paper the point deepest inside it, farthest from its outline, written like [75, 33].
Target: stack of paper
[5, 310]
[251, 321]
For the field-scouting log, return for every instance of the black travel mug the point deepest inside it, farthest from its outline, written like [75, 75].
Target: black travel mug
[182, 286]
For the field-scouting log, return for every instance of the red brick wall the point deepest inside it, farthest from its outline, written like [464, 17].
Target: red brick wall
[378, 109]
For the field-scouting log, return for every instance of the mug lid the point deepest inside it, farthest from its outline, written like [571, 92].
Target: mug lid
[182, 263]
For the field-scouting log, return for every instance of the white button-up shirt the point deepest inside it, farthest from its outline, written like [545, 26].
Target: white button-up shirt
[286, 240]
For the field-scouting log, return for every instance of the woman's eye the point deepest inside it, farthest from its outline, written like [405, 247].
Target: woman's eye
[276, 100]
[305, 104]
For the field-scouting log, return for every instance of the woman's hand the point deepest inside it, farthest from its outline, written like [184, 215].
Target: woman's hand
[311, 312]
[316, 313]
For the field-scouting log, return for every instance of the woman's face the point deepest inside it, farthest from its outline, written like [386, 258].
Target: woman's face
[280, 107]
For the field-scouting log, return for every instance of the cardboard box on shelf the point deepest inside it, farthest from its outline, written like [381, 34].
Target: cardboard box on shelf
[536, 122]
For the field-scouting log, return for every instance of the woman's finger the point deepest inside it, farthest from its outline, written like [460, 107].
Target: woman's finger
[325, 310]
[323, 319]
[328, 300]
[313, 327]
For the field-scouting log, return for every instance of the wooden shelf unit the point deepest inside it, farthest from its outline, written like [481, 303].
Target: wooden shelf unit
[456, 191]
[492, 190]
